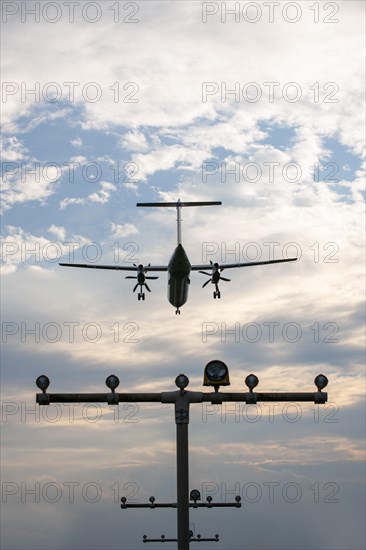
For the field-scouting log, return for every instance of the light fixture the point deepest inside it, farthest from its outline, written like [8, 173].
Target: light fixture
[195, 495]
[216, 374]
[251, 381]
[182, 381]
[112, 382]
[321, 381]
[43, 382]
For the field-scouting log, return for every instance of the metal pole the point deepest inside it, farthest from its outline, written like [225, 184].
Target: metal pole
[182, 487]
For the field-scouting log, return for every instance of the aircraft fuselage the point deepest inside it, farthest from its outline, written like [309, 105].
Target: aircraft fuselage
[179, 269]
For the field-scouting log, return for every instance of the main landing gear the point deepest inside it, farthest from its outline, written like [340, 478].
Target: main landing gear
[141, 280]
[215, 277]
[177, 311]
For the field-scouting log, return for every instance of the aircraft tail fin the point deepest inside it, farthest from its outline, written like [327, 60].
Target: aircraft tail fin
[178, 205]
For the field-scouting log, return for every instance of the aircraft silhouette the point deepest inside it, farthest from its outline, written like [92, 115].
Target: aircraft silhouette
[179, 266]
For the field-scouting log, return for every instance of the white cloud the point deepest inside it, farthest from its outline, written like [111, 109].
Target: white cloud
[169, 157]
[21, 247]
[170, 79]
[79, 159]
[12, 149]
[134, 141]
[101, 196]
[77, 142]
[29, 182]
[65, 202]
[58, 231]
[123, 230]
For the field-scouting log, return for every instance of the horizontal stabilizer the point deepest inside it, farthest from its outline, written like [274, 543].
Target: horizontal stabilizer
[179, 203]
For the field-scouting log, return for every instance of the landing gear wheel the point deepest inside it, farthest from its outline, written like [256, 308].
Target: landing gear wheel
[177, 311]
[143, 296]
[219, 295]
[139, 296]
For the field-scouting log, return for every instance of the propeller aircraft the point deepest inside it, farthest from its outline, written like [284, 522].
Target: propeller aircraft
[179, 266]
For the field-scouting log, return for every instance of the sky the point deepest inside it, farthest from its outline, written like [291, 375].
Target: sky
[259, 105]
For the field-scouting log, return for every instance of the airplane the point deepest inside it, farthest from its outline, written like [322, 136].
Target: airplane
[179, 266]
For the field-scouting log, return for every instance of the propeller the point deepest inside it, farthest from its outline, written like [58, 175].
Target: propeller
[141, 277]
[215, 276]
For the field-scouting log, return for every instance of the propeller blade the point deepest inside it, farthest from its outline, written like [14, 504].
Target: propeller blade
[134, 288]
[224, 279]
[206, 283]
[205, 273]
[147, 288]
[151, 277]
[130, 277]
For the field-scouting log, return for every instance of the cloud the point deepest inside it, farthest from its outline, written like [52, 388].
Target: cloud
[67, 201]
[134, 141]
[12, 149]
[59, 231]
[168, 157]
[29, 182]
[123, 230]
[77, 142]
[170, 80]
[22, 248]
[101, 196]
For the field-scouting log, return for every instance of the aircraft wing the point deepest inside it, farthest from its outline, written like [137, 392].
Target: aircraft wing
[165, 267]
[119, 267]
[240, 264]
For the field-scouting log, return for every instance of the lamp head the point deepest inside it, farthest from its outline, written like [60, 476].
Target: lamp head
[43, 382]
[321, 381]
[182, 381]
[216, 374]
[251, 381]
[112, 382]
[195, 495]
